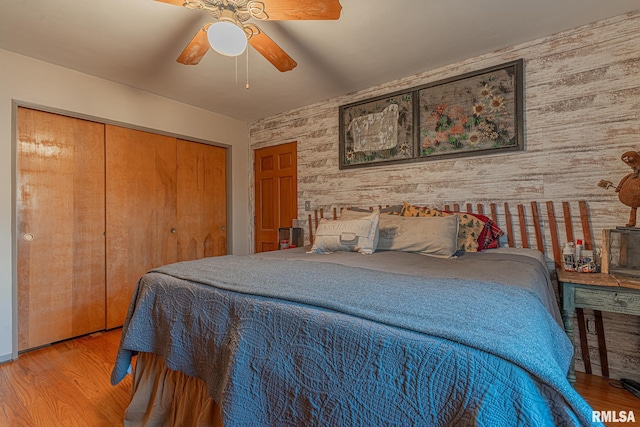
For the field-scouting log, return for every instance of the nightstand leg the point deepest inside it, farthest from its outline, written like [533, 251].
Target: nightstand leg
[584, 343]
[602, 344]
[568, 328]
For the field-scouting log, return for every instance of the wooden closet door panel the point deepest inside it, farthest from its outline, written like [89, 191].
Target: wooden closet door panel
[202, 201]
[61, 220]
[141, 211]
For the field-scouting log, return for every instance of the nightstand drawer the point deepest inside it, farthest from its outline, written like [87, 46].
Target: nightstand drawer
[607, 300]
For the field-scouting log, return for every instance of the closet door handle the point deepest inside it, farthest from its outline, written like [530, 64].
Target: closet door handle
[28, 237]
[173, 230]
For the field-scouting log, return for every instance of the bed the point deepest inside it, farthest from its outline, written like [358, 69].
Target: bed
[341, 338]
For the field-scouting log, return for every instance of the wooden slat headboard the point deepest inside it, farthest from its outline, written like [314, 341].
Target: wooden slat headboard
[528, 221]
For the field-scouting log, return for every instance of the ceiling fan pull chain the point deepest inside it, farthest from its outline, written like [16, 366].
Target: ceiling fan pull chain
[247, 86]
[236, 70]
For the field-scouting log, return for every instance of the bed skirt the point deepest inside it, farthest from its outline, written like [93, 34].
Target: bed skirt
[161, 397]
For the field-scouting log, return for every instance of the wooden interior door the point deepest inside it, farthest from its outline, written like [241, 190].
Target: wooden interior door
[276, 193]
[141, 212]
[61, 223]
[201, 201]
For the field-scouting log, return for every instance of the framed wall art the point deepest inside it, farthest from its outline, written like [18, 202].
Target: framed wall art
[378, 130]
[473, 114]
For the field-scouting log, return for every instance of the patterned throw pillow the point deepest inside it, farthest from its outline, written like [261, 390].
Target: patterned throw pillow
[490, 236]
[411, 210]
[470, 227]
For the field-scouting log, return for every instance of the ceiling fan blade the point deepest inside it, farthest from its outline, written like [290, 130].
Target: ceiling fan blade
[174, 2]
[197, 47]
[272, 52]
[302, 9]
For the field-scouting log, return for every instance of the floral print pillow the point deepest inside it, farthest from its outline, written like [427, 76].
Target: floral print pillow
[411, 210]
[469, 230]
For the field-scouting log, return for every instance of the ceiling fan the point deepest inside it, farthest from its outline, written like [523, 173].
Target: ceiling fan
[231, 18]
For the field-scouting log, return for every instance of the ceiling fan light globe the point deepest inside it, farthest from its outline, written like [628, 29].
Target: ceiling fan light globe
[227, 38]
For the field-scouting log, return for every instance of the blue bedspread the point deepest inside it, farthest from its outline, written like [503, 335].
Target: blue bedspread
[286, 342]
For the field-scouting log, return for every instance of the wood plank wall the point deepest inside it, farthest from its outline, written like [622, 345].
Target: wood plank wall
[582, 111]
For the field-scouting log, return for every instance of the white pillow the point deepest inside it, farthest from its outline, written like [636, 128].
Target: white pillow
[354, 235]
[352, 214]
[434, 236]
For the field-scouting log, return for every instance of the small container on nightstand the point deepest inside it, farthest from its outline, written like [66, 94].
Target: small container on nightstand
[621, 251]
[294, 237]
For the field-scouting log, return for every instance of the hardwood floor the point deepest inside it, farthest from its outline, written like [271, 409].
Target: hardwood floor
[605, 394]
[67, 384]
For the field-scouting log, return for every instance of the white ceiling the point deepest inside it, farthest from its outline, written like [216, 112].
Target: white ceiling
[136, 43]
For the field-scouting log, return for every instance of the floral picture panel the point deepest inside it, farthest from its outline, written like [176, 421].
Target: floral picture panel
[478, 113]
[379, 130]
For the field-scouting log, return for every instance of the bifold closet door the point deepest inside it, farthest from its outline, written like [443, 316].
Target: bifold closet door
[202, 201]
[141, 212]
[61, 224]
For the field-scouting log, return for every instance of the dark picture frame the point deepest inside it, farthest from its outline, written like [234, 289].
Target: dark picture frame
[473, 114]
[477, 113]
[378, 130]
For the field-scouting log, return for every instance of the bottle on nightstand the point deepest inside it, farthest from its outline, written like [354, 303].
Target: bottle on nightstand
[569, 256]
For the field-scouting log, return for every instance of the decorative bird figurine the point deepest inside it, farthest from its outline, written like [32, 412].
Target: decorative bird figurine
[629, 187]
